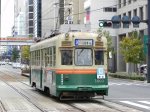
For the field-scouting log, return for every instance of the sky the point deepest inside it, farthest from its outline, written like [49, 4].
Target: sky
[7, 17]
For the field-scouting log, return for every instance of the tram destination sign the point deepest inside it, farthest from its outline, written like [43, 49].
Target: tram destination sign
[83, 42]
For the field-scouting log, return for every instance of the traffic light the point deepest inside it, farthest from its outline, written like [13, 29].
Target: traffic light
[105, 23]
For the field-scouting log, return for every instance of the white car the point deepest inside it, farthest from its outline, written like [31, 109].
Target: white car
[2, 62]
[16, 65]
[24, 66]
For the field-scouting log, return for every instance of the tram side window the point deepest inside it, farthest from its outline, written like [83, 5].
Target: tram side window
[33, 54]
[38, 57]
[46, 56]
[42, 57]
[66, 57]
[99, 57]
[54, 55]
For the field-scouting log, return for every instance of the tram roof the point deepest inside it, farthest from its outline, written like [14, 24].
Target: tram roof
[59, 37]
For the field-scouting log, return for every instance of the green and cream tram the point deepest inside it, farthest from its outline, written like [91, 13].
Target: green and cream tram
[70, 65]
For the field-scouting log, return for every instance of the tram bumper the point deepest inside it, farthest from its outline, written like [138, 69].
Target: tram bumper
[82, 91]
[81, 88]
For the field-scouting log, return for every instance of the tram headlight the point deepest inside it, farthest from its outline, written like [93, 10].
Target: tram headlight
[67, 36]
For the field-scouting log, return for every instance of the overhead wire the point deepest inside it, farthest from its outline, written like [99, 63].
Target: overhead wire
[81, 12]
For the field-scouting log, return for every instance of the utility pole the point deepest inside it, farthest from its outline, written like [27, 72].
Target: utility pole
[148, 64]
[0, 18]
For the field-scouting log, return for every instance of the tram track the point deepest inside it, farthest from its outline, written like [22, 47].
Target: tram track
[24, 96]
[72, 106]
[24, 93]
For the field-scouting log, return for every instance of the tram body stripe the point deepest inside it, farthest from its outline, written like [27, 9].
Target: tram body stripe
[74, 71]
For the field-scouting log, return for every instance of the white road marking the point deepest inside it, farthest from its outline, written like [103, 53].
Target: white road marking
[145, 102]
[136, 104]
[128, 84]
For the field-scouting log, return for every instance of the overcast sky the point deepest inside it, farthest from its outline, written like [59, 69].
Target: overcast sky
[7, 17]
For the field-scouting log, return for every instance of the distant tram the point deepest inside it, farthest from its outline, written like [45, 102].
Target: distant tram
[70, 65]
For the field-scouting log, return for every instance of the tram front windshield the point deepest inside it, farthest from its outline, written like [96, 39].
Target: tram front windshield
[83, 57]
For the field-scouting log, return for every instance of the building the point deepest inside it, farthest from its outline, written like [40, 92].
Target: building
[97, 11]
[37, 18]
[0, 18]
[130, 8]
[29, 18]
[59, 12]
[19, 28]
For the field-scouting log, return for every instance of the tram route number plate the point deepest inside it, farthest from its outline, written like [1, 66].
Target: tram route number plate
[86, 42]
[100, 73]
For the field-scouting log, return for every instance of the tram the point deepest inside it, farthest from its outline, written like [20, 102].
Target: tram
[70, 65]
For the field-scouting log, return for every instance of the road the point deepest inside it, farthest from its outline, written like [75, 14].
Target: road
[122, 94]
[135, 94]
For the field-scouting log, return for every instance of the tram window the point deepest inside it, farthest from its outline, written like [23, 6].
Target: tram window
[42, 57]
[50, 56]
[83, 57]
[66, 57]
[99, 57]
[54, 56]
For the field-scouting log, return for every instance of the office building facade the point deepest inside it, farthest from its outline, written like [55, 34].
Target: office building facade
[130, 8]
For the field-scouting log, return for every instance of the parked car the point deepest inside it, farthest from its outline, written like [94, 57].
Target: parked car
[142, 68]
[2, 62]
[25, 69]
[9, 63]
[16, 65]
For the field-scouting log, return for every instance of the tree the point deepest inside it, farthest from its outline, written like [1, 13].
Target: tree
[25, 54]
[15, 54]
[132, 49]
[109, 41]
[110, 49]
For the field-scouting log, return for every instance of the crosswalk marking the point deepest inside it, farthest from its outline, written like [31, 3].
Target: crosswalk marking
[136, 104]
[146, 102]
[121, 84]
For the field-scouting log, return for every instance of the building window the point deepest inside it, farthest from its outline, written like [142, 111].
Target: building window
[124, 2]
[30, 23]
[30, 15]
[135, 12]
[129, 14]
[119, 2]
[30, 30]
[124, 14]
[110, 9]
[141, 13]
[129, 1]
[146, 10]
[120, 18]
[30, 8]
[30, 2]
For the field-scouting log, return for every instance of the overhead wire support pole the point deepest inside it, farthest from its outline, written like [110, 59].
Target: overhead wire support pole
[148, 63]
